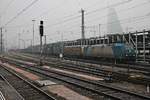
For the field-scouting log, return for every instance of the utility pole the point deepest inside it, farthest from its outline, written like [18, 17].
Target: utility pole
[45, 43]
[136, 46]
[33, 35]
[62, 44]
[45, 39]
[19, 41]
[1, 39]
[99, 29]
[23, 41]
[144, 47]
[30, 40]
[94, 30]
[82, 26]
[45, 47]
[31, 43]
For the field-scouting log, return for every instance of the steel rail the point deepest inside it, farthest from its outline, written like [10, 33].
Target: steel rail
[46, 71]
[49, 97]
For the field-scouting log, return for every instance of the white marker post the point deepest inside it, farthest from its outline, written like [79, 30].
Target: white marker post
[147, 88]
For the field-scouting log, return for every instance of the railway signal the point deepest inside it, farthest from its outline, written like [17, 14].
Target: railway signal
[1, 40]
[41, 29]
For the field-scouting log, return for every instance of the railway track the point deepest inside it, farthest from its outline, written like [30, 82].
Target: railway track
[1, 96]
[137, 66]
[92, 70]
[7, 91]
[132, 66]
[26, 89]
[96, 87]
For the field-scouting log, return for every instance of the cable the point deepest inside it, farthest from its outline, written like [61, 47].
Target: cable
[108, 7]
[69, 27]
[101, 17]
[135, 20]
[98, 9]
[88, 13]
[45, 13]
[96, 18]
[127, 19]
[23, 10]
[74, 17]
[94, 4]
[52, 9]
[121, 11]
[64, 21]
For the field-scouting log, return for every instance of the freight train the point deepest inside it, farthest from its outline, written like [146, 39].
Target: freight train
[113, 51]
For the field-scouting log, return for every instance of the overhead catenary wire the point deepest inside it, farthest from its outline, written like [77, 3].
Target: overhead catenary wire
[87, 13]
[42, 14]
[120, 11]
[70, 18]
[100, 9]
[23, 10]
[67, 16]
[45, 13]
[48, 11]
[76, 25]
[137, 18]
[74, 17]
[64, 21]
[38, 16]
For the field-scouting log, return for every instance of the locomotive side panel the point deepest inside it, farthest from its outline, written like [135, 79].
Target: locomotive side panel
[73, 51]
[100, 51]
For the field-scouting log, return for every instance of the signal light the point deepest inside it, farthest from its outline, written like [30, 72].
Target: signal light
[41, 28]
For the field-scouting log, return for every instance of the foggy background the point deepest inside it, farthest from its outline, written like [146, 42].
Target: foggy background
[63, 18]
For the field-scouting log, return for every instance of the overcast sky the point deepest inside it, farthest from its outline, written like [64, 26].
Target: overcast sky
[64, 17]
